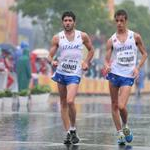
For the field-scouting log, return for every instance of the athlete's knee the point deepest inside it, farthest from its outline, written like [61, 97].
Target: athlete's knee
[122, 106]
[70, 102]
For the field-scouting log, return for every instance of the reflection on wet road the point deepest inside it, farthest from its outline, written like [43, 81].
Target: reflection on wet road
[36, 124]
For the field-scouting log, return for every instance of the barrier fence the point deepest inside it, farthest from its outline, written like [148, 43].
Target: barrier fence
[89, 86]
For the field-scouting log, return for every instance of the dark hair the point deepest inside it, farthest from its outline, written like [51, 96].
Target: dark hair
[68, 14]
[121, 12]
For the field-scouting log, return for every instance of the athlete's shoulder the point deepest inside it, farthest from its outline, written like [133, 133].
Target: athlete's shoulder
[112, 38]
[59, 36]
[84, 35]
[133, 32]
[55, 39]
[137, 36]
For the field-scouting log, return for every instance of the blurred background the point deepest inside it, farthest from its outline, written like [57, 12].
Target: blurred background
[30, 24]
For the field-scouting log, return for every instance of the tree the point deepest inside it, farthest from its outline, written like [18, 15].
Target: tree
[92, 15]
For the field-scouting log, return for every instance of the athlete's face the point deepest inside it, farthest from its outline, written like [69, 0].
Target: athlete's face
[68, 23]
[121, 22]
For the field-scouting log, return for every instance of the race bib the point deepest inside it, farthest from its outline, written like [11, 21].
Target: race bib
[69, 66]
[126, 57]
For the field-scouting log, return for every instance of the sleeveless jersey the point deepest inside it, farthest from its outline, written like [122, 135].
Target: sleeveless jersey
[70, 54]
[124, 55]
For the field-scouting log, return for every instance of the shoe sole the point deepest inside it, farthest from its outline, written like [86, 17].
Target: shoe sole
[67, 143]
[122, 143]
[126, 131]
[75, 142]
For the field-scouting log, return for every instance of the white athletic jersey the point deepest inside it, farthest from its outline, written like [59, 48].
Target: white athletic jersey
[124, 55]
[70, 54]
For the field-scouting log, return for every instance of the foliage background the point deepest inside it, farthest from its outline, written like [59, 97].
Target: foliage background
[92, 17]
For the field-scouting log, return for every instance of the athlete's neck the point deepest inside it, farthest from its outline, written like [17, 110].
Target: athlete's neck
[70, 35]
[122, 35]
[122, 31]
[69, 32]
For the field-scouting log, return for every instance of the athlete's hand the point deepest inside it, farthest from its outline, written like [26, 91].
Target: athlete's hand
[104, 72]
[85, 66]
[54, 63]
[106, 69]
[135, 73]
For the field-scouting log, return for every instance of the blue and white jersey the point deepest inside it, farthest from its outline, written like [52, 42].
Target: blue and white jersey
[70, 54]
[124, 55]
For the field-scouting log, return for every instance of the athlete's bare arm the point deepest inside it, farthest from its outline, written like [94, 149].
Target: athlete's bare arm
[143, 52]
[141, 47]
[108, 55]
[88, 44]
[53, 50]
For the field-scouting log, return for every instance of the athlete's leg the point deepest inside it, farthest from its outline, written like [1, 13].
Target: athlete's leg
[123, 99]
[114, 104]
[64, 106]
[124, 94]
[115, 113]
[71, 94]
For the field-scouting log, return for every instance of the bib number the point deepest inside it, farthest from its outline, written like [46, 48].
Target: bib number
[69, 66]
[126, 58]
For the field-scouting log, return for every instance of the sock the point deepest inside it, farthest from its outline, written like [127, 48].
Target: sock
[72, 128]
[120, 132]
[125, 125]
[68, 131]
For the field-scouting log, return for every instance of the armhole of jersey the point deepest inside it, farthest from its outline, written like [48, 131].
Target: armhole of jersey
[112, 48]
[111, 39]
[135, 38]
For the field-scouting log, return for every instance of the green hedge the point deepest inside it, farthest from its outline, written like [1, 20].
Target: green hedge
[6, 93]
[39, 89]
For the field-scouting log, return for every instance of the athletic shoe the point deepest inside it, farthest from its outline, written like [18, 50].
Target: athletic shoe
[128, 134]
[67, 140]
[74, 137]
[121, 139]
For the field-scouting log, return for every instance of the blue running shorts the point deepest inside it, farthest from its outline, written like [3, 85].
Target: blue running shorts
[119, 81]
[65, 80]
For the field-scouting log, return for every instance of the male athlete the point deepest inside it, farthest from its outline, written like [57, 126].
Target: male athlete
[122, 50]
[69, 67]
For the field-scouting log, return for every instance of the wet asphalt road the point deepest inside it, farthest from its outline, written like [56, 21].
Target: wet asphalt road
[36, 124]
